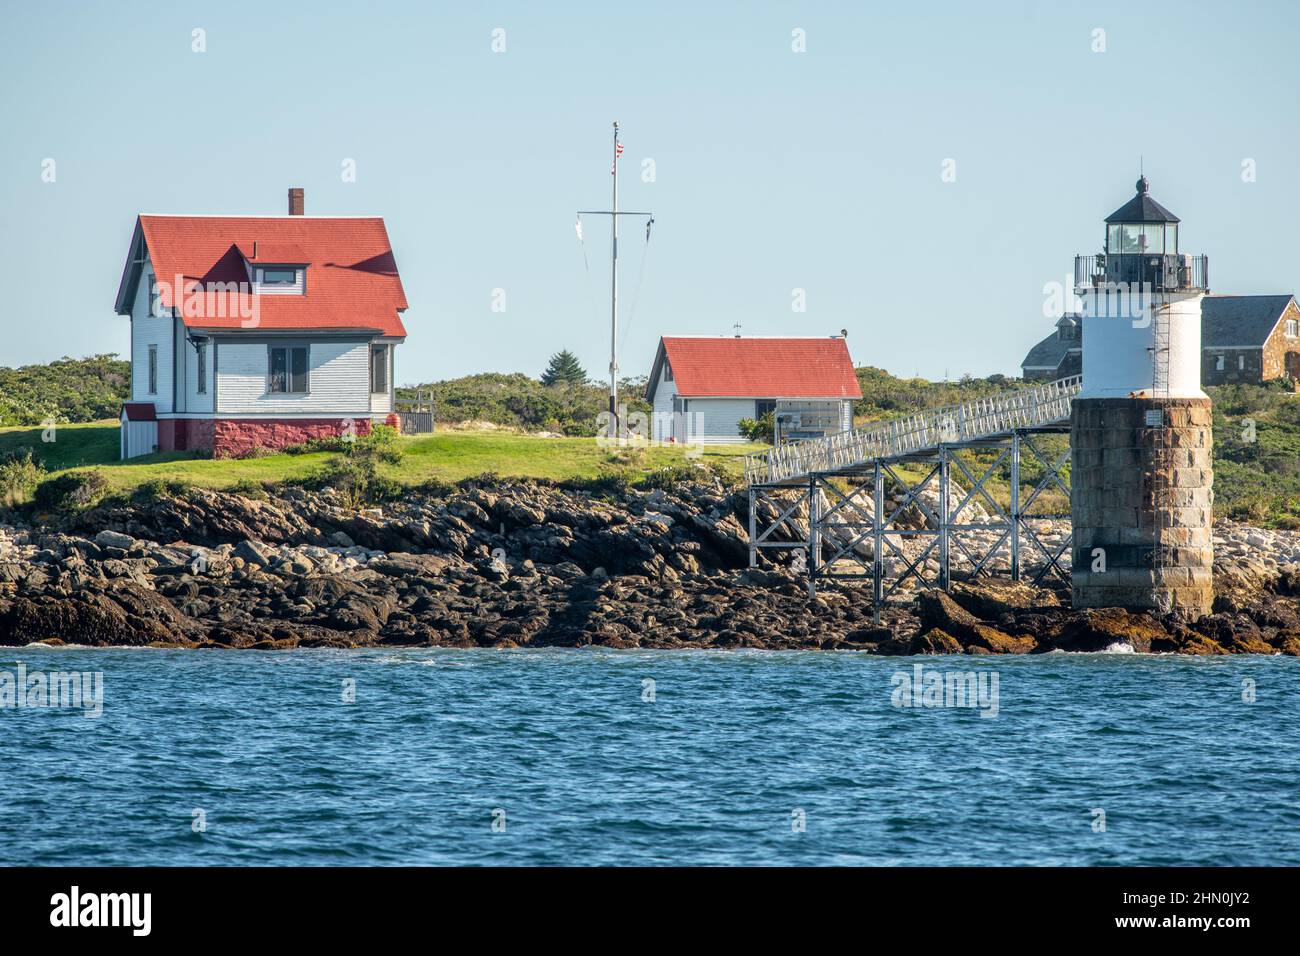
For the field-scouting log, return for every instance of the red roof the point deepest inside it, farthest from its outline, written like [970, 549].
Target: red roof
[351, 280]
[139, 412]
[760, 367]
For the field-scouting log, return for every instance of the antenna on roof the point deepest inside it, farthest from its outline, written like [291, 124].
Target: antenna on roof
[737, 328]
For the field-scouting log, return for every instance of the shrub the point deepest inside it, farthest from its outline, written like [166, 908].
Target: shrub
[355, 471]
[628, 457]
[71, 491]
[608, 484]
[248, 488]
[670, 477]
[686, 473]
[158, 489]
[20, 473]
[257, 451]
[761, 429]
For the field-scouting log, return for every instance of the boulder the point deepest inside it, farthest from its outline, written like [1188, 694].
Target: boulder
[989, 600]
[936, 641]
[114, 539]
[253, 552]
[1096, 629]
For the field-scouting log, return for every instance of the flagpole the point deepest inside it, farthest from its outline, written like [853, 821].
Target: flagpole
[616, 426]
[613, 303]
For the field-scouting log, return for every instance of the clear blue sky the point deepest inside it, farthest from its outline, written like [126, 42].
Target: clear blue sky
[775, 170]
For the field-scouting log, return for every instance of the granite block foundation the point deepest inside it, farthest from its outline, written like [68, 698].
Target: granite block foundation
[1142, 498]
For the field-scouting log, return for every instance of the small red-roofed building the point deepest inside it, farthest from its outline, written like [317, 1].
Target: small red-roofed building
[700, 387]
[258, 331]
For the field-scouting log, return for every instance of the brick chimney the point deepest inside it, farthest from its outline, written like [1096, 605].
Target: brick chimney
[295, 201]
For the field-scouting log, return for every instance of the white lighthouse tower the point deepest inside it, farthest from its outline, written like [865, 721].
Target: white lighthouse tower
[1140, 430]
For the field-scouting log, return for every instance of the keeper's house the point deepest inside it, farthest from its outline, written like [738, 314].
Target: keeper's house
[702, 386]
[258, 331]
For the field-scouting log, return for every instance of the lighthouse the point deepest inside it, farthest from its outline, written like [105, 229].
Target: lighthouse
[1140, 430]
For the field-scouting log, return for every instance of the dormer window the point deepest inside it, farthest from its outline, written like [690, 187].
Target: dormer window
[281, 279]
[279, 276]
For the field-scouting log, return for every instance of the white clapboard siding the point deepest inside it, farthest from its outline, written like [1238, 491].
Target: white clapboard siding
[195, 401]
[338, 381]
[147, 330]
[662, 420]
[295, 289]
[713, 421]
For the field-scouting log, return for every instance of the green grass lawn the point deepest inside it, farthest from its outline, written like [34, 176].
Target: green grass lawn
[447, 456]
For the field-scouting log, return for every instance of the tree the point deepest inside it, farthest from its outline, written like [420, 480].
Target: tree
[564, 370]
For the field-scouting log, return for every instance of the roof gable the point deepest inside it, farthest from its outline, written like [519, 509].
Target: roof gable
[352, 278]
[1049, 353]
[1240, 319]
[732, 367]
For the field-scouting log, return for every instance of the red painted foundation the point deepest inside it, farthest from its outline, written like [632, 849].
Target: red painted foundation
[236, 438]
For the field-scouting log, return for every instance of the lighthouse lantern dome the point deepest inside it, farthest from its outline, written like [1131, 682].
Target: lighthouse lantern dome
[1142, 226]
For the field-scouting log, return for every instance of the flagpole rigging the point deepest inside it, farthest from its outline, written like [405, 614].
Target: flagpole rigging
[613, 213]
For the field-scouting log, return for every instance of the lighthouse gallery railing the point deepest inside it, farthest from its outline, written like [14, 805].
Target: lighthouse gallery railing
[1030, 407]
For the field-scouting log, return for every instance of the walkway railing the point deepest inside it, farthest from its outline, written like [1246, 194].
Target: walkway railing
[1030, 407]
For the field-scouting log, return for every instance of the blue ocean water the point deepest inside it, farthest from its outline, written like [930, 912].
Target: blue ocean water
[733, 752]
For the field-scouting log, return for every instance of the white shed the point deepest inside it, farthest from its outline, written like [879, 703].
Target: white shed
[139, 430]
[700, 387]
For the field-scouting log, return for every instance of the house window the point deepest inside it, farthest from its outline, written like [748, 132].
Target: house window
[287, 369]
[153, 370]
[1218, 362]
[285, 277]
[1241, 362]
[764, 405]
[379, 369]
[668, 372]
[1292, 328]
[201, 360]
[152, 308]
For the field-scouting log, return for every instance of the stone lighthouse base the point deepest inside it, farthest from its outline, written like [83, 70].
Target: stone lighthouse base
[1141, 499]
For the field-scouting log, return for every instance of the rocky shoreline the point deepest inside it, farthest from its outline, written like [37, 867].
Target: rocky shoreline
[496, 563]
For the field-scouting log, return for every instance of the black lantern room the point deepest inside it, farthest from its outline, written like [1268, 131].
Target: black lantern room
[1142, 226]
[1141, 248]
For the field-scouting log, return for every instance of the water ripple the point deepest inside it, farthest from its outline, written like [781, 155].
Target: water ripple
[575, 757]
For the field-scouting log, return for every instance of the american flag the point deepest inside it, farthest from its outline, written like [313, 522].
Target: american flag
[618, 151]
